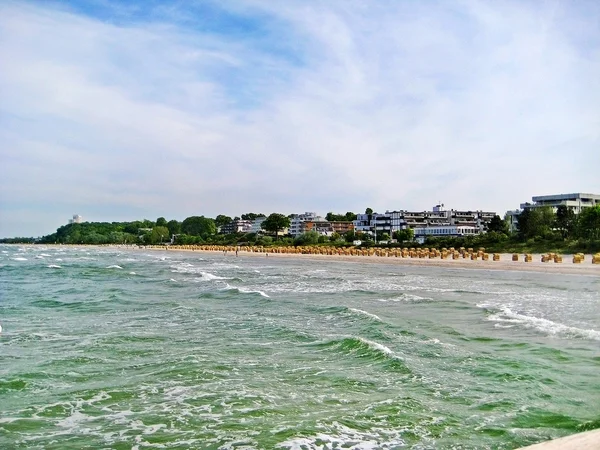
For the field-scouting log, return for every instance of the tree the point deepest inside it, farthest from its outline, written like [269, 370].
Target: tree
[159, 235]
[221, 220]
[589, 223]
[350, 216]
[536, 222]
[174, 227]
[252, 216]
[565, 220]
[161, 222]
[405, 235]
[307, 238]
[368, 211]
[275, 222]
[498, 225]
[199, 226]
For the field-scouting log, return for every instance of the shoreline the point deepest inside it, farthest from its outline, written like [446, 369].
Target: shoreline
[567, 267]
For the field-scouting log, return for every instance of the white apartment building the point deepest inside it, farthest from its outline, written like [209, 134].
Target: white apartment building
[298, 222]
[256, 226]
[437, 218]
[576, 201]
[423, 233]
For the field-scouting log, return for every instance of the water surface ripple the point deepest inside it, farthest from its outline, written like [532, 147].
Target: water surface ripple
[131, 349]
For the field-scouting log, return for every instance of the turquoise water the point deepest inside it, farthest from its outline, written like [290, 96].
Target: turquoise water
[107, 348]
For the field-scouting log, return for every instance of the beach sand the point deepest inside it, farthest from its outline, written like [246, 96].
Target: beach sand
[567, 267]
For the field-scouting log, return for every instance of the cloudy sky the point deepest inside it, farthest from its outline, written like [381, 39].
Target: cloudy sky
[128, 110]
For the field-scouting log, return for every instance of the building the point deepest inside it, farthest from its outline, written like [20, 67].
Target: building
[423, 233]
[237, 226]
[76, 219]
[257, 224]
[512, 219]
[298, 222]
[436, 219]
[577, 201]
[327, 228]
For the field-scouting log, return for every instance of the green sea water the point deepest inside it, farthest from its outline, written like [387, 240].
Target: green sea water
[108, 348]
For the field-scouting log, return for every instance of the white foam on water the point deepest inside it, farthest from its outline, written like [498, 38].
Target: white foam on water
[132, 273]
[45, 255]
[114, 266]
[39, 257]
[365, 313]
[345, 437]
[19, 259]
[209, 276]
[250, 291]
[377, 346]
[507, 316]
[58, 259]
[54, 266]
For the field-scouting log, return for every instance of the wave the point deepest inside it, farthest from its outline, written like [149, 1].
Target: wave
[368, 350]
[54, 266]
[365, 313]
[508, 317]
[246, 291]
[210, 276]
[19, 259]
[114, 266]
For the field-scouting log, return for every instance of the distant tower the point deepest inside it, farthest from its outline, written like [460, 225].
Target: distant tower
[76, 219]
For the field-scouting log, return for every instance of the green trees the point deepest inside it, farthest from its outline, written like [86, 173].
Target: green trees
[307, 238]
[536, 222]
[348, 217]
[498, 225]
[161, 222]
[221, 220]
[406, 235]
[565, 220]
[275, 223]
[252, 216]
[589, 223]
[368, 211]
[174, 227]
[199, 226]
[159, 235]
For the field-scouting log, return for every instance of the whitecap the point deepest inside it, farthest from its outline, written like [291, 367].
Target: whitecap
[114, 266]
[132, 273]
[54, 266]
[19, 259]
[507, 316]
[377, 346]
[365, 313]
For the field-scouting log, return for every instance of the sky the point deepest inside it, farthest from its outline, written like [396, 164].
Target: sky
[121, 111]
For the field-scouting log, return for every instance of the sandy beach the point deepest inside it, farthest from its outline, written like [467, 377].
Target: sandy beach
[567, 267]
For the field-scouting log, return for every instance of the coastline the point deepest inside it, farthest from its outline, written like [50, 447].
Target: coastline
[567, 267]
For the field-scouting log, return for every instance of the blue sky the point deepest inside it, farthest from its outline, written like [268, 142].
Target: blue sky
[128, 110]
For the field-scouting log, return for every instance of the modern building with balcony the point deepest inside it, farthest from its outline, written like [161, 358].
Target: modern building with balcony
[576, 201]
[237, 226]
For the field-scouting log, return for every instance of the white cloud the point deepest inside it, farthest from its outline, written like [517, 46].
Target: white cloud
[328, 106]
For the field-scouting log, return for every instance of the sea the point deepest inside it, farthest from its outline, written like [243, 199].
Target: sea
[129, 348]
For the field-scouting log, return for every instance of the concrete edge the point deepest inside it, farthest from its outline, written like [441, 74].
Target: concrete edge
[588, 440]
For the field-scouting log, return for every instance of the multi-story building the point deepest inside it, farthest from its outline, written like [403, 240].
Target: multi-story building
[237, 226]
[327, 228]
[438, 219]
[298, 222]
[577, 201]
[257, 224]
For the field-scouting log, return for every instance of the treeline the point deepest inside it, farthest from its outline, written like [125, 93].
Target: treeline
[540, 230]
